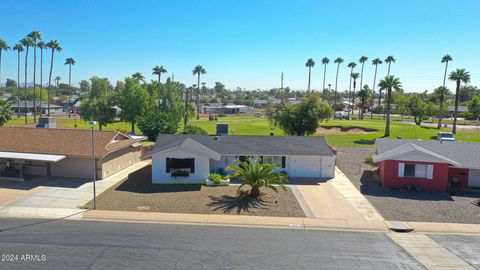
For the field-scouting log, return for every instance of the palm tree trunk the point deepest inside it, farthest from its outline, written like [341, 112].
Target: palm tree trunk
[1, 67]
[455, 113]
[373, 92]
[361, 76]
[445, 74]
[255, 192]
[324, 74]
[388, 72]
[440, 113]
[309, 74]
[198, 97]
[336, 83]
[18, 87]
[34, 83]
[50, 83]
[159, 77]
[348, 94]
[41, 81]
[133, 127]
[70, 88]
[26, 75]
[387, 122]
[185, 116]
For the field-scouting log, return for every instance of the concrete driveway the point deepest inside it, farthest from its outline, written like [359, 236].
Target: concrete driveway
[47, 197]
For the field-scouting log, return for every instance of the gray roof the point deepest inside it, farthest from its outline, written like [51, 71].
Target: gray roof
[254, 145]
[465, 153]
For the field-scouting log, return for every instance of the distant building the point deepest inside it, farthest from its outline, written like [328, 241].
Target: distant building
[226, 109]
[460, 108]
[43, 104]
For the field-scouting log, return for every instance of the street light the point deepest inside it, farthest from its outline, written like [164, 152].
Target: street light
[92, 125]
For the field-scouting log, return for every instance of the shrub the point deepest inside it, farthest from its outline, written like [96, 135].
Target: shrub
[216, 178]
[369, 160]
[195, 130]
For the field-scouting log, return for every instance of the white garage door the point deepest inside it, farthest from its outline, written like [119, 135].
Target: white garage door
[474, 178]
[306, 167]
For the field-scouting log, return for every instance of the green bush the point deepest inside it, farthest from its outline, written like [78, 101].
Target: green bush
[216, 178]
[369, 160]
[195, 130]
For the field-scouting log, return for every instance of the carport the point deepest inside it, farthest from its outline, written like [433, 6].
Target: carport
[15, 165]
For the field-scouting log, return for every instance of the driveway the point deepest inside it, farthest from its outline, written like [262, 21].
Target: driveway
[53, 196]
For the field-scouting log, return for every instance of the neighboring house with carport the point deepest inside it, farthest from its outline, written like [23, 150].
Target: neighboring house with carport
[64, 152]
[196, 156]
[431, 165]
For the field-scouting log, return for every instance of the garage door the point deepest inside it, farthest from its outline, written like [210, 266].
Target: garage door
[306, 167]
[474, 178]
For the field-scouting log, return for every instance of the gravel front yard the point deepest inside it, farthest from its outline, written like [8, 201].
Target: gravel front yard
[403, 205]
[137, 193]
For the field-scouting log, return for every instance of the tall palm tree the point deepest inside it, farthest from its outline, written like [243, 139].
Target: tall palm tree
[351, 65]
[70, 62]
[441, 92]
[459, 76]
[35, 36]
[54, 46]
[198, 70]
[27, 42]
[138, 76]
[377, 61]
[362, 61]
[389, 60]
[337, 61]
[19, 48]
[41, 45]
[445, 59]
[389, 83]
[325, 62]
[354, 77]
[310, 64]
[158, 70]
[3, 47]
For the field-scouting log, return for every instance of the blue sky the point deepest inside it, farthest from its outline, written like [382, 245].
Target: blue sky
[248, 43]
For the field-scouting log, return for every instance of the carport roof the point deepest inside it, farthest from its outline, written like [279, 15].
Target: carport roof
[31, 156]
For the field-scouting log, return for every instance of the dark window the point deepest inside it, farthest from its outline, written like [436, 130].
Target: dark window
[242, 158]
[283, 162]
[168, 165]
[181, 163]
[409, 170]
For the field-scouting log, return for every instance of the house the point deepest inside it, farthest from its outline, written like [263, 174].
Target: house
[430, 165]
[39, 104]
[195, 156]
[225, 109]
[64, 152]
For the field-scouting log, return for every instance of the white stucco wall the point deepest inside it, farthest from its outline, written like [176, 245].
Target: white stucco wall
[76, 167]
[160, 175]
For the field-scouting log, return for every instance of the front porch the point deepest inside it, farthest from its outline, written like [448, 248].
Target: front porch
[17, 166]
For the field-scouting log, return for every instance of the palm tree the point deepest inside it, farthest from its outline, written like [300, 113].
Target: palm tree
[363, 94]
[19, 48]
[310, 64]
[389, 60]
[57, 80]
[41, 45]
[362, 60]
[70, 62]
[256, 175]
[3, 47]
[325, 62]
[389, 83]
[354, 76]
[441, 92]
[459, 76]
[27, 42]
[35, 36]
[351, 65]
[337, 61]
[445, 59]
[377, 61]
[54, 47]
[138, 76]
[158, 70]
[198, 70]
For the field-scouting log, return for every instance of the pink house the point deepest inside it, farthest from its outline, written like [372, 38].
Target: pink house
[429, 165]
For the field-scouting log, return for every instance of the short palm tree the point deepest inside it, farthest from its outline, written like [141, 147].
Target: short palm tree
[337, 61]
[325, 62]
[5, 112]
[19, 48]
[257, 175]
[57, 80]
[54, 46]
[158, 70]
[3, 47]
[351, 65]
[138, 76]
[35, 36]
[70, 62]
[459, 76]
[377, 61]
[362, 61]
[309, 64]
[389, 83]
[42, 46]
[441, 92]
[27, 42]
[198, 70]
[389, 60]
[364, 95]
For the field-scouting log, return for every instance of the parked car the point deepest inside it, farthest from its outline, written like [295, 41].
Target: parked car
[341, 115]
[445, 137]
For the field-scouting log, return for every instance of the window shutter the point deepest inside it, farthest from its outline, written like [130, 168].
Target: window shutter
[168, 165]
[192, 165]
[429, 171]
[284, 159]
[401, 169]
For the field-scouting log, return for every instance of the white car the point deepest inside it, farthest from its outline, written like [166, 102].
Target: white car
[341, 115]
[445, 137]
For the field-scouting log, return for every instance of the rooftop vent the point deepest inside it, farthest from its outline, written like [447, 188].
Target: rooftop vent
[222, 129]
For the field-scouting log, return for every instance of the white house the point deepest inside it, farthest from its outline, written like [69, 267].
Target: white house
[190, 158]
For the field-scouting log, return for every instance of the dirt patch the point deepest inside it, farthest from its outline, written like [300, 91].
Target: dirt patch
[337, 130]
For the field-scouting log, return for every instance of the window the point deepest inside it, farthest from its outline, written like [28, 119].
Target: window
[278, 160]
[177, 164]
[415, 170]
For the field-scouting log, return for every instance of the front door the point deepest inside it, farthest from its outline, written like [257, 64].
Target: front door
[474, 178]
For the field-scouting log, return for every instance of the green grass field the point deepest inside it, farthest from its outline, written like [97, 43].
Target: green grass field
[249, 125]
